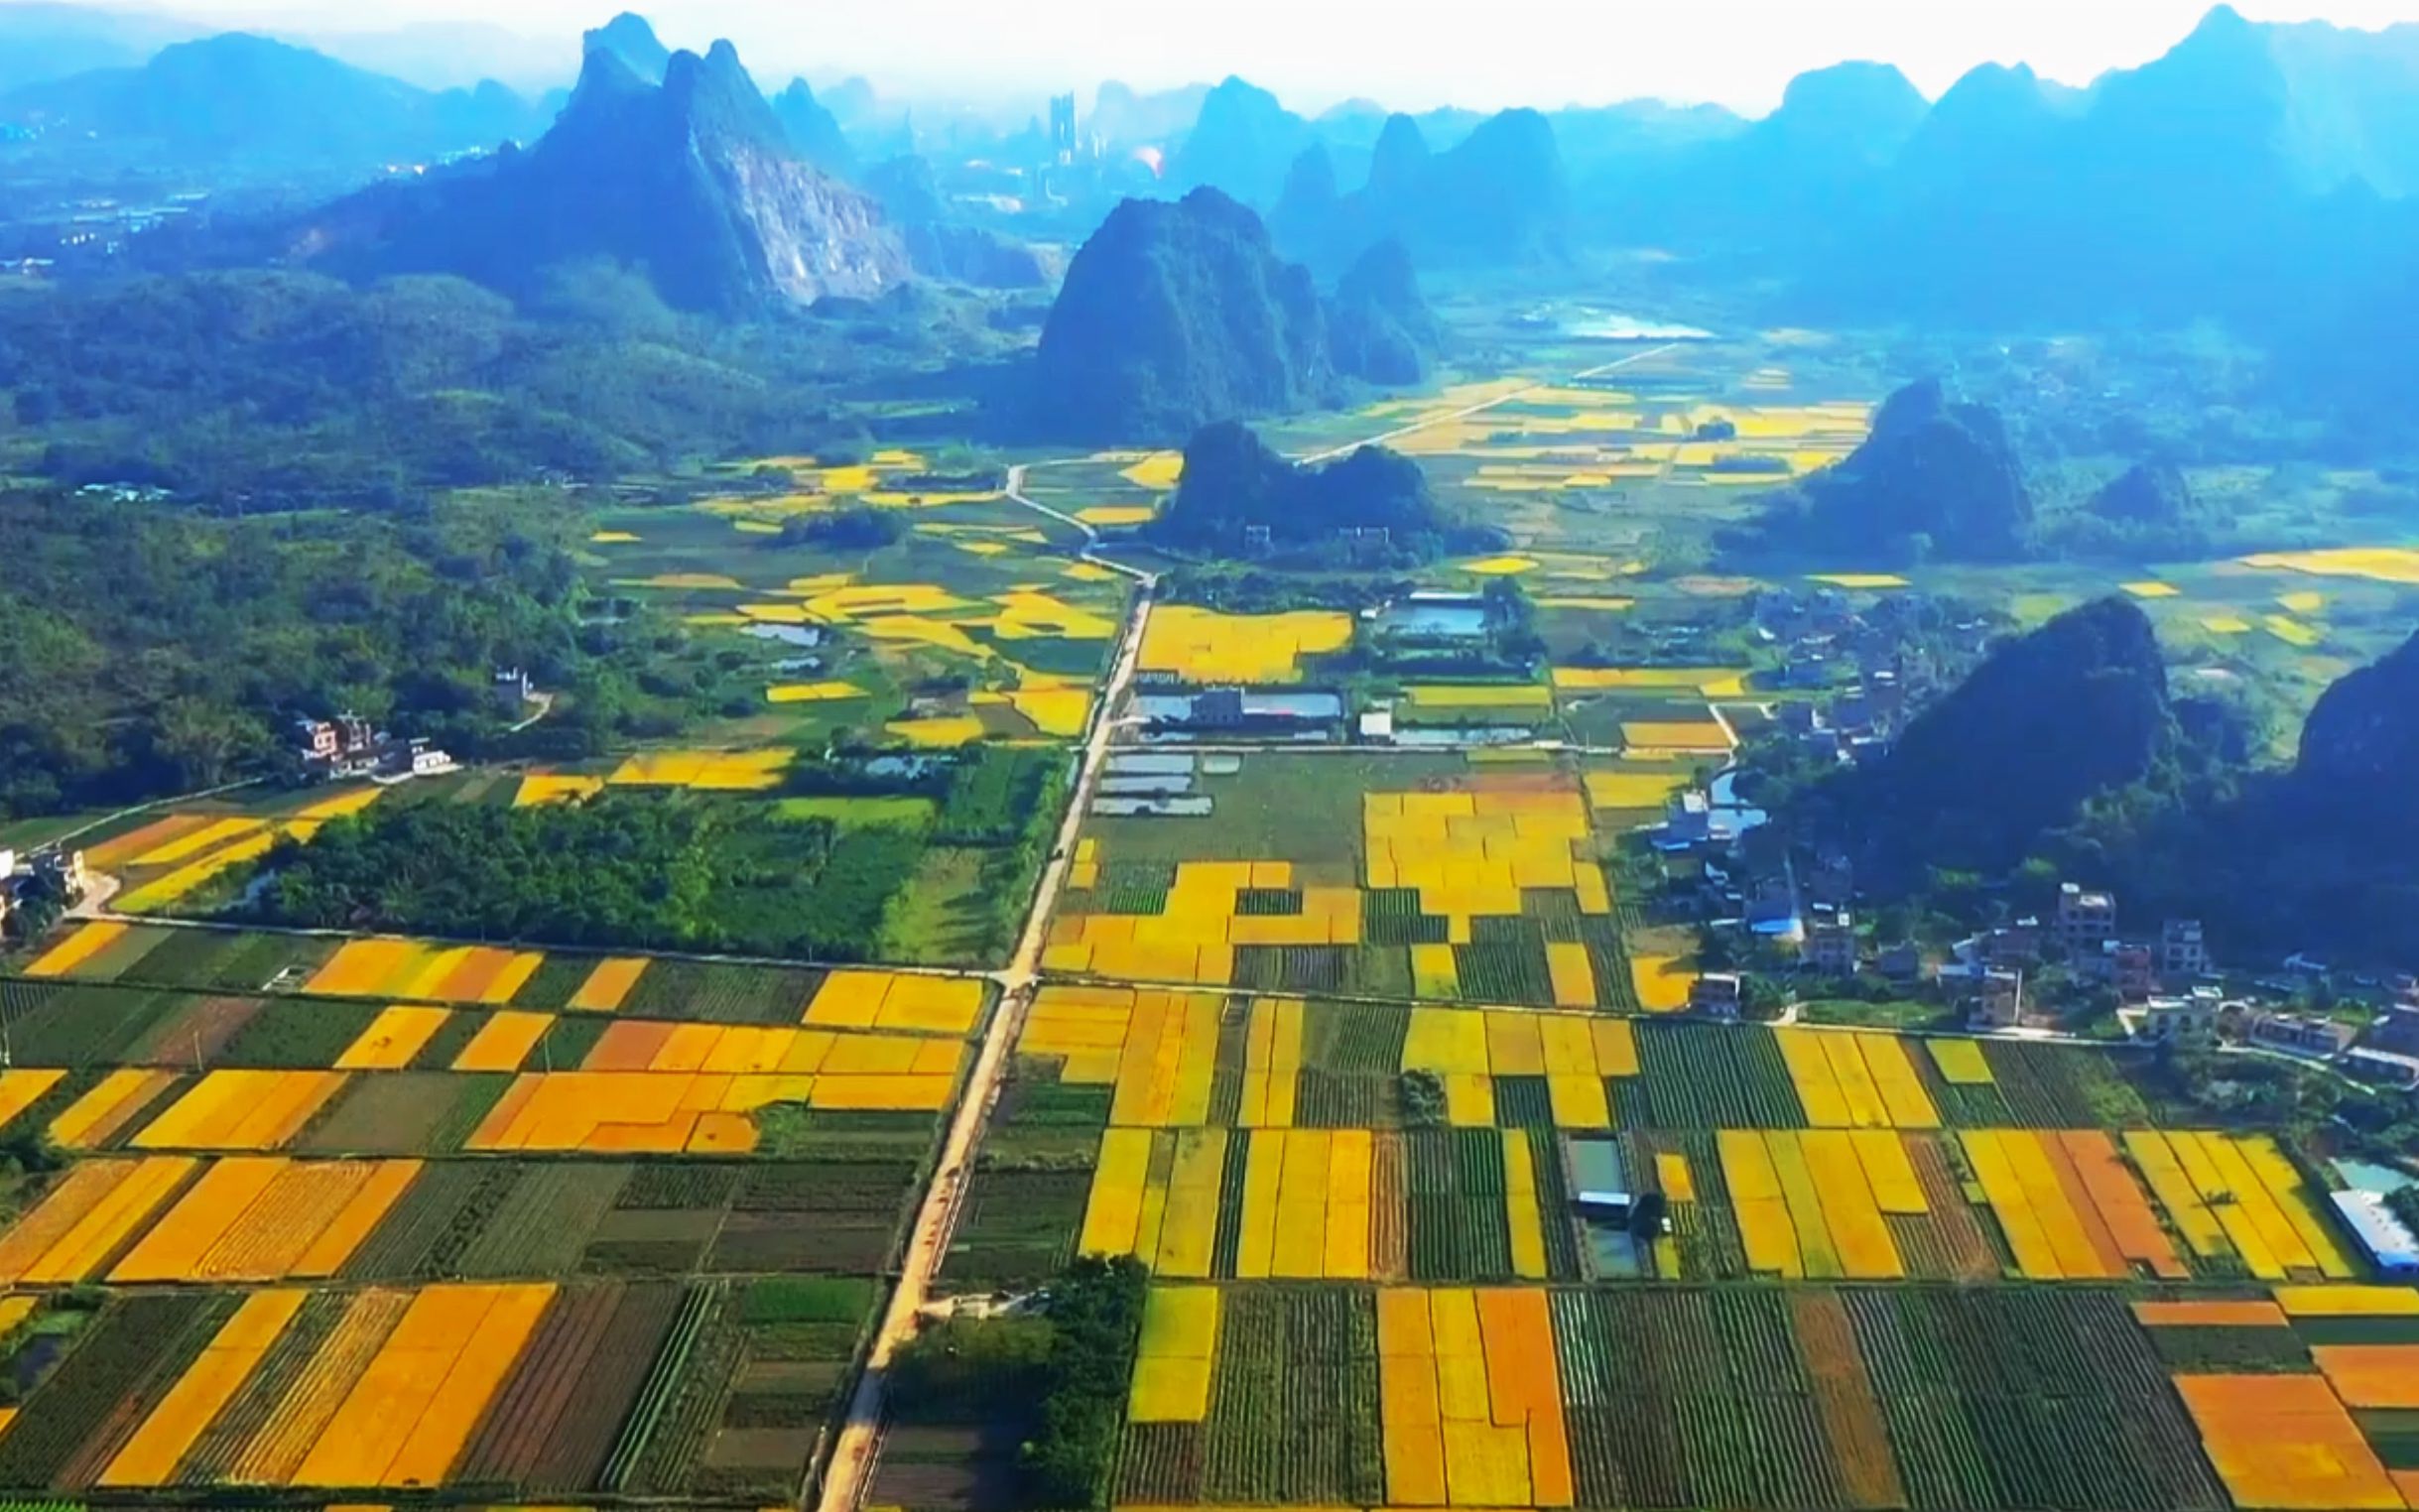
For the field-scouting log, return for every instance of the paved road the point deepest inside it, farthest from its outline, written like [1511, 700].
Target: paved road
[850, 1472]
[1015, 490]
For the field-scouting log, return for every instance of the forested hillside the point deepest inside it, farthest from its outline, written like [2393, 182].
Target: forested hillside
[153, 652]
[263, 388]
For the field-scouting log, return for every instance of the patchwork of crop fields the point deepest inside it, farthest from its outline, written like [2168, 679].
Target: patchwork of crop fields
[387, 1217]
[975, 589]
[1403, 876]
[1898, 1272]
[1359, 1053]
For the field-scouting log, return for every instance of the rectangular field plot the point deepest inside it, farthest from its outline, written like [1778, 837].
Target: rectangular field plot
[178, 1220]
[147, 958]
[1403, 877]
[715, 1389]
[1815, 1397]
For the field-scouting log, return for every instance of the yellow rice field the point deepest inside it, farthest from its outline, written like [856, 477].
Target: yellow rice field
[2394, 564]
[173, 886]
[241, 1110]
[267, 1218]
[391, 1039]
[1712, 682]
[86, 1216]
[2286, 1442]
[545, 788]
[1469, 854]
[609, 984]
[87, 941]
[1856, 1080]
[1177, 1355]
[678, 1100]
[1204, 646]
[407, 1416]
[149, 1457]
[812, 693]
[706, 771]
[903, 1002]
[1471, 1405]
[1634, 790]
[403, 968]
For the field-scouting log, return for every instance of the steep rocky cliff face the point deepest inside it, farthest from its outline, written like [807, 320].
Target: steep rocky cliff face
[799, 235]
[693, 181]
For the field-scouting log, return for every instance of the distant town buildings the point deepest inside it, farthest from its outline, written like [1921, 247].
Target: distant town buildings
[1062, 130]
[1995, 999]
[514, 691]
[2398, 1029]
[2183, 949]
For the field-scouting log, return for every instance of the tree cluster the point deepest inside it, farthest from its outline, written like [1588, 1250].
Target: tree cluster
[619, 871]
[152, 651]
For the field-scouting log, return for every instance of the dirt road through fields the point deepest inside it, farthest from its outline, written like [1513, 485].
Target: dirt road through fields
[850, 1475]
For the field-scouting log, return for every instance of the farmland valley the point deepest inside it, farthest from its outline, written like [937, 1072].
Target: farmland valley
[746, 773]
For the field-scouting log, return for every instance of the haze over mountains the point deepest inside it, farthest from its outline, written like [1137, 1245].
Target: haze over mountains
[2256, 172]
[240, 98]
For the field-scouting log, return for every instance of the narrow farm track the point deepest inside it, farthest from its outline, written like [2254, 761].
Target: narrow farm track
[1431, 422]
[849, 1473]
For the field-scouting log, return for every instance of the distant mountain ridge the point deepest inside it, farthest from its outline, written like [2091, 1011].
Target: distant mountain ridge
[41, 42]
[694, 182]
[240, 97]
[2247, 154]
[1498, 194]
[2190, 186]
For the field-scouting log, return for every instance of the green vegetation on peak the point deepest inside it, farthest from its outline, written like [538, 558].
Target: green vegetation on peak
[2048, 723]
[1238, 498]
[1175, 316]
[1936, 480]
[2359, 749]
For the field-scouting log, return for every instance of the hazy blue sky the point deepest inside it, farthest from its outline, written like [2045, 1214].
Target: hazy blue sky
[1404, 53]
